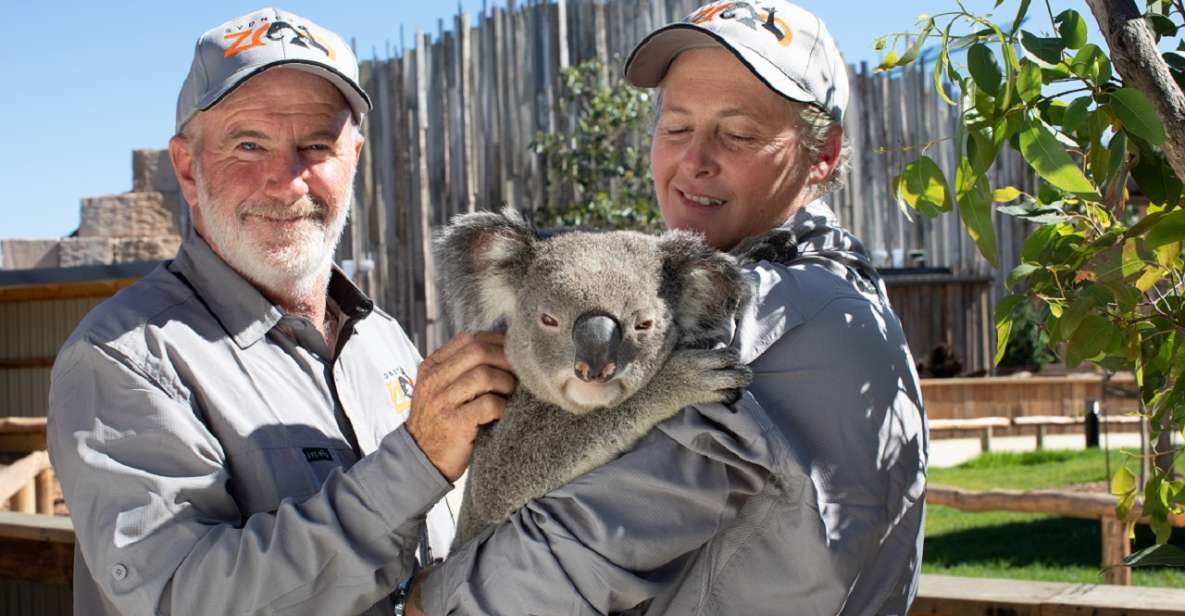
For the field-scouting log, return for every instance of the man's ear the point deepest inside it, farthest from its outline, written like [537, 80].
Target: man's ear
[181, 153]
[481, 259]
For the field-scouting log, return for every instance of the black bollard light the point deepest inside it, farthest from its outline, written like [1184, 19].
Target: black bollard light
[1092, 424]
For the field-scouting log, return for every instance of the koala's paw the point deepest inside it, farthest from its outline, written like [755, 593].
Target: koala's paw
[776, 246]
[712, 375]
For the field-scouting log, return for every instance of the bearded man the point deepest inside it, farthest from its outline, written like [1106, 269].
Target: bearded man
[232, 432]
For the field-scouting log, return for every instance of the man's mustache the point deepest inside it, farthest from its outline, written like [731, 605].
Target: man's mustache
[305, 207]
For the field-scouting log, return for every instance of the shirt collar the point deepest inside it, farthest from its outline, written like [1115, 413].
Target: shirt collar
[239, 307]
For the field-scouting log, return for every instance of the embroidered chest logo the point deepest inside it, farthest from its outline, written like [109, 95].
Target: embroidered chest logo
[758, 19]
[317, 454]
[399, 388]
[258, 33]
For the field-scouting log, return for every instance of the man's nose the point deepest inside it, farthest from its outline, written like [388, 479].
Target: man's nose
[287, 177]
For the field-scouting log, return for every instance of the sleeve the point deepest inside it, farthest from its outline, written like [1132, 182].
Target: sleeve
[147, 485]
[616, 536]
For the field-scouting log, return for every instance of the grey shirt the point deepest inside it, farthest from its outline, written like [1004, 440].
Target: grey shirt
[218, 458]
[806, 497]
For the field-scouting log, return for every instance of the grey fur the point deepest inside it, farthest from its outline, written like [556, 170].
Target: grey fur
[496, 271]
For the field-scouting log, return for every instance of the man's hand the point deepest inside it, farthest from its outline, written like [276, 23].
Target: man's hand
[462, 385]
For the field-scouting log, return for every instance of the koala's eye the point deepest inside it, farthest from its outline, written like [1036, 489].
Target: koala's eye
[549, 320]
[644, 325]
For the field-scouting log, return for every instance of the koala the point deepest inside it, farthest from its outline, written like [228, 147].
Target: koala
[609, 333]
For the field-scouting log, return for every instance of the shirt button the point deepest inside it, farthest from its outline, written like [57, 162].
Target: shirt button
[119, 572]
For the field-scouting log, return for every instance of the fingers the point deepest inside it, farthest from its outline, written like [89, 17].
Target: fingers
[479, 381]
[483, 409]
[464, 353]
[459, 387]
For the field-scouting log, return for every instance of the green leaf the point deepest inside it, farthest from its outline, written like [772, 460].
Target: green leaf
[1155, 177]
[889, 61]
[975, 208]
[1005, 194]
[1089, 340]
[1046, 52]
[1036, 243]
[915, 48]
[1161, 25]
[1003, 319]
[1162, 555]
[1123, 482]
[1028, 81]
[922, 186]
[1137, 114]
[1075, 113]
[1020, 15]
[1072, 28]
[1050, 160]
[1091, 64]
[1022, 271]
[1168, 230]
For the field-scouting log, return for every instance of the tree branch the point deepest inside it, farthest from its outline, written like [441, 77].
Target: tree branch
[1134, 53]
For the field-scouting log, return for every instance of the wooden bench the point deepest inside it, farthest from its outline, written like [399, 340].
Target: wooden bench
[982, 425]
[1041, 422]
[36, 548]
[946, 595]
[1116, 545]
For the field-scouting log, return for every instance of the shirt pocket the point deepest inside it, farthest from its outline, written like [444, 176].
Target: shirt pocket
[264, 476]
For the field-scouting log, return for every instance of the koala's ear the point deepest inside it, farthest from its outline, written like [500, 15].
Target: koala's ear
[481, 258]
[705, 287]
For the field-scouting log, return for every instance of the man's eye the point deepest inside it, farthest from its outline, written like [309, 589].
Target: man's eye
[248, 146]
[317, 147]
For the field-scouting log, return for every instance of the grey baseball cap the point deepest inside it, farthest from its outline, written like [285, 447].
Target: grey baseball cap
[228, 55]
[785, 46]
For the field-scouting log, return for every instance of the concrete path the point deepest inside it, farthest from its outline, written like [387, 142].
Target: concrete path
[954, 451]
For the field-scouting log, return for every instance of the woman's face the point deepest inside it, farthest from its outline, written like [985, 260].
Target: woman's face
[726, 155]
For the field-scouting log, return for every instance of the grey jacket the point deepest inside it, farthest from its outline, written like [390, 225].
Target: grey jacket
[806, 497]
[217, 458]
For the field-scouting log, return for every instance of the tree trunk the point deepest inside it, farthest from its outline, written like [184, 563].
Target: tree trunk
[1134, 53]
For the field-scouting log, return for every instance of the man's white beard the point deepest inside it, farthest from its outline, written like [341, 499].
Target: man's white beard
[293, 263]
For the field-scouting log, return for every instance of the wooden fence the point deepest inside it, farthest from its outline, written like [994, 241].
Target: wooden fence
[455, 115]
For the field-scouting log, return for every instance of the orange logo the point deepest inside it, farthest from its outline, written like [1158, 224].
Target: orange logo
[399, 389]
[768, 21]
[275, 31]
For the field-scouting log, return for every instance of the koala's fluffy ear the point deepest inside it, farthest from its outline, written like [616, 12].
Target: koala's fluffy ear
[705, 287]
[480, 258]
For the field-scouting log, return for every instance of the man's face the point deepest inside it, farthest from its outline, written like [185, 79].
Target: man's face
[274, 175]
[725, 155]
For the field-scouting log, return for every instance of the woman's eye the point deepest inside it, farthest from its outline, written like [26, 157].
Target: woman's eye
[549, 320]
[737, 137]
[644, 325]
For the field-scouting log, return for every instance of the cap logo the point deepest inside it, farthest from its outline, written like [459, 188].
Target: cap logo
[761, 19]
[277, 30]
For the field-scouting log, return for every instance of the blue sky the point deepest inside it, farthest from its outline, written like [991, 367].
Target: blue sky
[85, 83]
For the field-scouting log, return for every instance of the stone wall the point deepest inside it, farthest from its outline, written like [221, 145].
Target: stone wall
[146, 224]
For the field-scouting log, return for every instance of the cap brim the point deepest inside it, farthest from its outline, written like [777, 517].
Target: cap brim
[648, 63]
[354, 95]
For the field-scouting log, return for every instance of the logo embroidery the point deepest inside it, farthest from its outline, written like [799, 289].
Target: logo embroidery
[746, 14]
[251, 37]
[315, 454]
[399, 389]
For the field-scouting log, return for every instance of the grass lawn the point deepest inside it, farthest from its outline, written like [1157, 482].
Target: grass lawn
[1023, 545]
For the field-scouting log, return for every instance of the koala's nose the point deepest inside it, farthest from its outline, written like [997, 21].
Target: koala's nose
[597, 338]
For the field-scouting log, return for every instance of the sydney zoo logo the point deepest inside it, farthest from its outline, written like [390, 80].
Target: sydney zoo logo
[744, 13]
[250, 37]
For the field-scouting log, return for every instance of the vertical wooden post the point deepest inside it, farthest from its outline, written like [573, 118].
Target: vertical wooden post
[1116, 547]
[985, 440]
[45, 491]
[1040, 436]
[23, 500]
